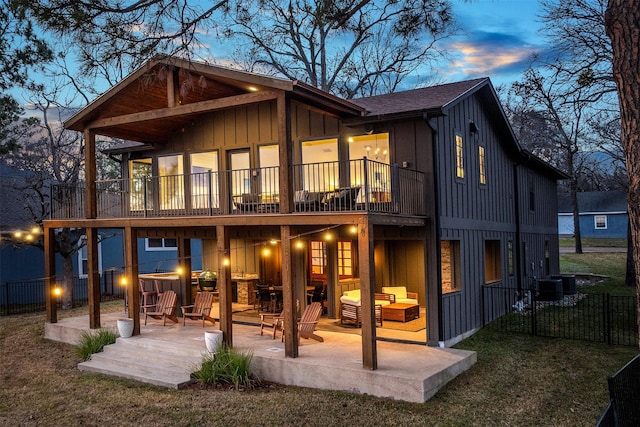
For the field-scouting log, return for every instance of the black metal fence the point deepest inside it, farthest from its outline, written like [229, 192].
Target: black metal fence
[624, 391]
[28, 296]
[576, 315]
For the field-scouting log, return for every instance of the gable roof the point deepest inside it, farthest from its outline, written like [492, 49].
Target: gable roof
[594, 202]
[433, 98]
[137, 108]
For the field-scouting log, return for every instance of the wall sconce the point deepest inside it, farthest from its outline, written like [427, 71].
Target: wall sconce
[226, 262]
[179, 271]
[299, 244]
[473, 129]
[57, 291]
[405, 164]
[354, 229]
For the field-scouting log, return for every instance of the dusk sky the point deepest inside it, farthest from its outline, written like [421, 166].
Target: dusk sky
[500, 37]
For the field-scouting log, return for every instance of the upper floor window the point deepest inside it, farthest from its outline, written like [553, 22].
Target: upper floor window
[600, 222]
[160, 244]
[481, 163]
[459, 157]
[377, 174]
[171, 182]
[320, 159]
[269, 157]
[204, 180]
[141, 192]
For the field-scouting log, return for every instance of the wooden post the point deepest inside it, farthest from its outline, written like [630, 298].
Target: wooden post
[285, 151]
[289, 295]
[91, 199]
[184, 261]
[131, 274]
[224, 283]
[367, 295]
[51, 301]
[333, 278]
[93, 281]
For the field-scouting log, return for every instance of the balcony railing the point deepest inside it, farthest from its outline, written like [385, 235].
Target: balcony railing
[356, 185]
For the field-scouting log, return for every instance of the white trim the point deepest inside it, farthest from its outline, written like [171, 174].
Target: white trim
[595, 222]
[157, 248]
[82, 250]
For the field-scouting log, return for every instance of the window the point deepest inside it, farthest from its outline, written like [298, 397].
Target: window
[160, 244]
[345, 267]
[600, 222]
[171, 182]
[83, 258]
[318, 257]
[481, 160]
[141, 191]
[240, 163]
[204, 180]
[269, 178]
[377, 175]
[459, 157]
[510, 267]
[532, 195]
[320, 159]
[450, 266]
[492, 265]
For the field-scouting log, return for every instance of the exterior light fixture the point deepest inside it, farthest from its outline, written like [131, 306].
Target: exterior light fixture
[226, 262]
[299, 244]
[123, 281]
[354, 229]
[35, 230]
[180, 271]
[328, 236]
[57, 291]
[266, 252]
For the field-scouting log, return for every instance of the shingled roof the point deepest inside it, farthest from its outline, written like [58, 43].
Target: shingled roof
[594, 201]
[423, 99]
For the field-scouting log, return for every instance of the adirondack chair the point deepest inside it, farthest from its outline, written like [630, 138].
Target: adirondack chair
[308, 322]
[271, 320]
[164, 308]
[200, 309]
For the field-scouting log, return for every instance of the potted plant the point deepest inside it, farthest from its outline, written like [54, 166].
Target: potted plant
[207, 281]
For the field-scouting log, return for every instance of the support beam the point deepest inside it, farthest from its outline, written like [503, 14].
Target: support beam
[51, 301]
[285, 153]
[367, 295]
[333, 278]
[131, 275]
[93, 279]
[184, 261]
[289, 295]
[91, 198]
[224, 283]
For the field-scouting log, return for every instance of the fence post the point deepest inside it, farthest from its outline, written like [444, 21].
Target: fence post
[534, 309]
[606, 318]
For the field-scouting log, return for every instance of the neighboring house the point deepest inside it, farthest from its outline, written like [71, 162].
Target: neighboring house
[426, 189]
[603, 214]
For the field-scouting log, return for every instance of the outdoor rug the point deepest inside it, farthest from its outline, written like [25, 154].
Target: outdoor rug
[412, 326]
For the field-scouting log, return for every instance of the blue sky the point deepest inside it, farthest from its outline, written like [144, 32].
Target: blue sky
[500, 36]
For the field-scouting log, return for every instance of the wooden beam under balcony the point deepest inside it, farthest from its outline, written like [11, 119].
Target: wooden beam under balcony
[185, 110]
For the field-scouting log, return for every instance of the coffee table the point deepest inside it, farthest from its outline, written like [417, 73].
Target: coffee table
[400, 312]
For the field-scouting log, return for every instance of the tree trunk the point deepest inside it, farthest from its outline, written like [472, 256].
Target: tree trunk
[577, 234]
[630, 277]
[622, 23]
[67, 286]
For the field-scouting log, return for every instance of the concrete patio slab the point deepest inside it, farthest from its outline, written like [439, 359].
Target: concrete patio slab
[407, 372]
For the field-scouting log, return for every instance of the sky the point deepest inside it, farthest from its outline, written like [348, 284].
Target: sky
[500, 36]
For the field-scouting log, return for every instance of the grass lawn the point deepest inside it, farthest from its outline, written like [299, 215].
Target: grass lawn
[518, 381]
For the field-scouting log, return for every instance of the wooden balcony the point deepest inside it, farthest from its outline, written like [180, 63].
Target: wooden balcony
[357, 185]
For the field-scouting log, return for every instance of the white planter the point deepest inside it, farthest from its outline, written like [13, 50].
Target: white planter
[125, 327]
[213, 339]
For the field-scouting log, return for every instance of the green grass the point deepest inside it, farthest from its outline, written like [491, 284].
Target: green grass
[519, 380]
[570, 242]
[611, 264]
[226, 366]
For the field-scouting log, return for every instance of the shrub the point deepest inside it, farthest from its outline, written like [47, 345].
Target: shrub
[94, 342]
[227, 366]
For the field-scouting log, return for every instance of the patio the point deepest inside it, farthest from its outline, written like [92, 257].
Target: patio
[407, 372]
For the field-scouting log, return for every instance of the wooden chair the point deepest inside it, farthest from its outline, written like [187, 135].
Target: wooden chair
[308, 322]
[164, 308]
[147, 297]
[200, 309]
[271, 320]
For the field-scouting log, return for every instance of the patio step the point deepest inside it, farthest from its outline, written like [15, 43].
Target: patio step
[148, 360]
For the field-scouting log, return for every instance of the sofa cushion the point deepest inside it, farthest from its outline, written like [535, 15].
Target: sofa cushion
[399, 291]
[353, 297]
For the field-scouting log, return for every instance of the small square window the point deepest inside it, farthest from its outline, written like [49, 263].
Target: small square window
[600, 222]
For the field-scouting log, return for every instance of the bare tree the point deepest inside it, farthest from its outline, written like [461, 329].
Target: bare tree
[623, 28]
[347, 47]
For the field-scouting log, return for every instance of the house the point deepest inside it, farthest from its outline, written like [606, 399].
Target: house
[282, 182]
[603, 214]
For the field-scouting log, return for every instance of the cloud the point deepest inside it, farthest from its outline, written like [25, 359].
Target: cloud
[489, 54]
